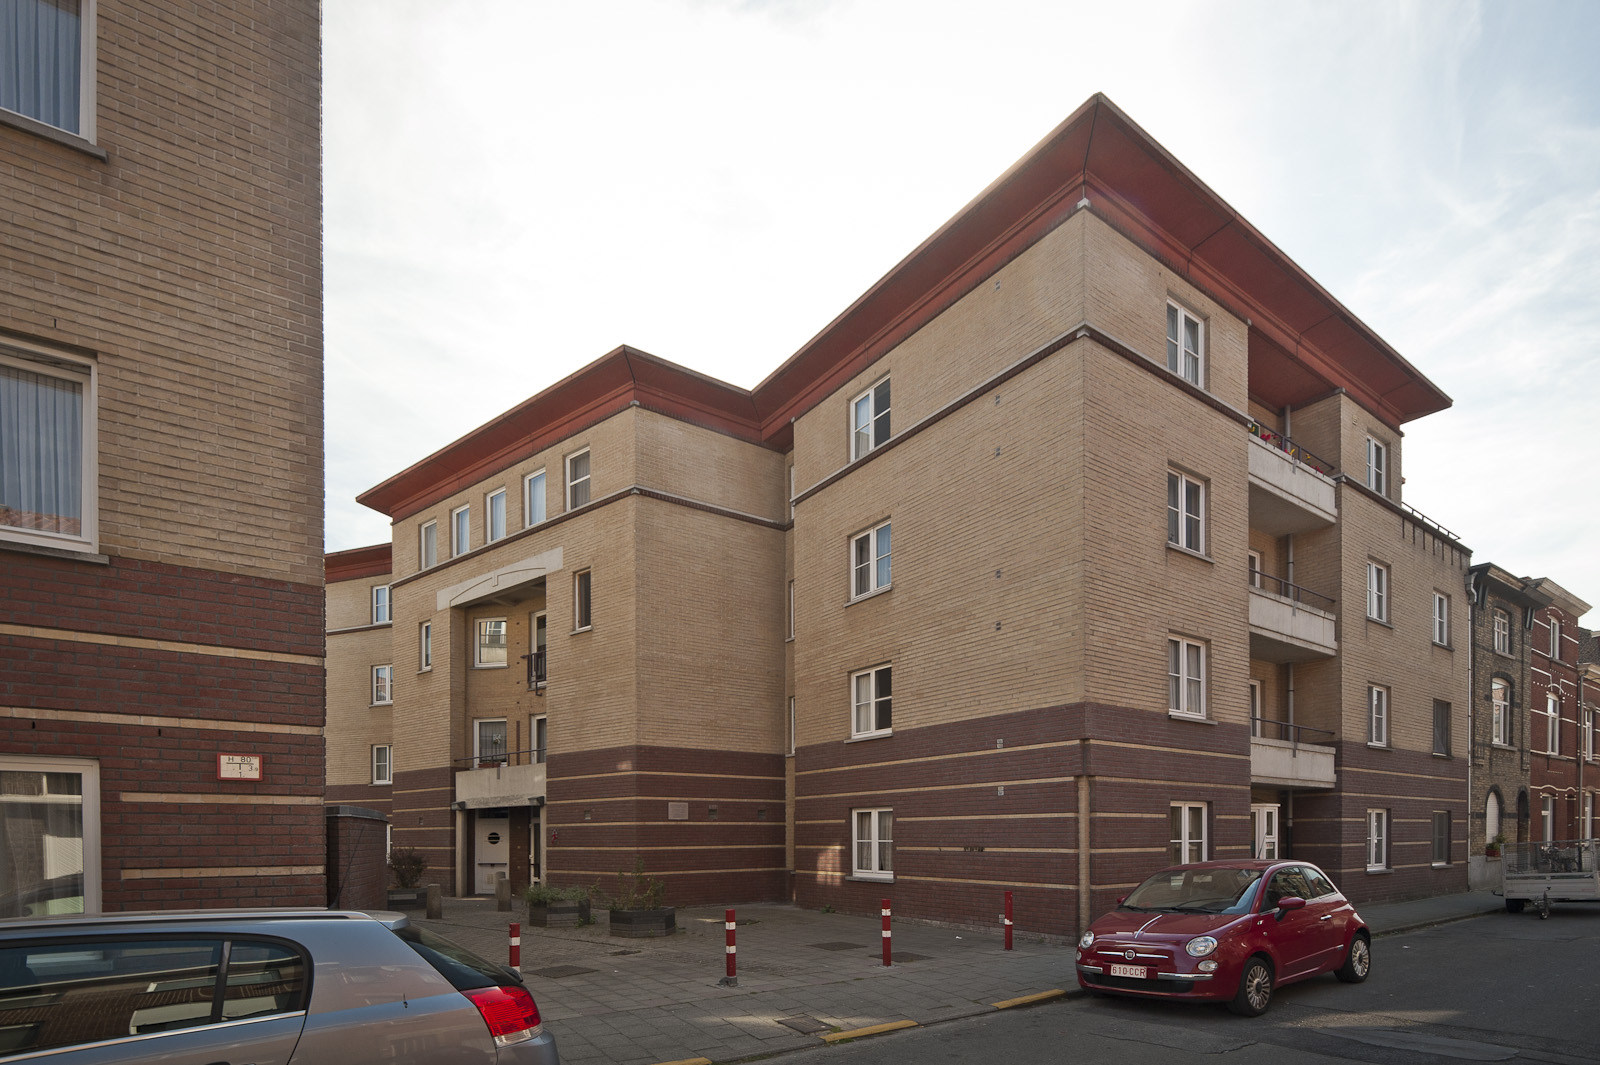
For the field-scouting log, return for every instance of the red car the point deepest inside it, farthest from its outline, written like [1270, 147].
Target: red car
[1225, 931]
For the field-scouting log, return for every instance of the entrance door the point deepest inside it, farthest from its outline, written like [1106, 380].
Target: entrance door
[1264, 830]
[493, 852]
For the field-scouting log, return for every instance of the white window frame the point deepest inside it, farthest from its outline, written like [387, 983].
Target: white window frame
[583, 600]
[1377, 841]
[1555, 640]
[1491, 817]
[874, 572]
[1586, 740]
[1443, 728]
[479, 756]
[1441, 619]
[539, 642]
[870, 418]
[87, 81]
[428, 545]
[480, 628]
[382, 607]
[425, 647]
[879, 865]
[1185, 844]
[534, 499]
[791, 725]
[868, 702]
[494, 516]
[1440, 844]
[791, 610]
[84, 374]
[89, 787]
[1552, 723]
[1378, 590]
[539, 739]
[1377, 715]
[1257, 562]
[1547, 818]
[383, 764]
[577, 485]
[461, 530]
[1181, 358]
[1186, 512]
[1257, 725]
[1500, 711]
[383, 685]
[1186, 678]
[1378, 466]
[1502, 632]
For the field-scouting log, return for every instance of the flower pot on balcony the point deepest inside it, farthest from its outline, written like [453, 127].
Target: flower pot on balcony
[644, 924]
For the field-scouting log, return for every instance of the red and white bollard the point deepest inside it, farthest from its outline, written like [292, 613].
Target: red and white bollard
[1007, 920]
[886, 947]
[730, 924]
[516, 947]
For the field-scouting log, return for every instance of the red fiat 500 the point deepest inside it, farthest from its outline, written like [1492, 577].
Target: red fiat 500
[1225, 931]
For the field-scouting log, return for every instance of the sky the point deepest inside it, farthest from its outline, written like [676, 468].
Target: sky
[515, 187]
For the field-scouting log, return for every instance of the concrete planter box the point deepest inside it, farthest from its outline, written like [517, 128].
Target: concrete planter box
[644, 924]
[565, 913]
[407, 898]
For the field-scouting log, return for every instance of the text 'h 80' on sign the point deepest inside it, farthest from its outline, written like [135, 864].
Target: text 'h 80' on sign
[238, 767]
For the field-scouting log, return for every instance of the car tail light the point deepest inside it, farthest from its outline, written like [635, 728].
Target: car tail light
[509, 1012]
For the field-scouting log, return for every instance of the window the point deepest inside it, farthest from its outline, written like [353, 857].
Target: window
[791, 724]
[1552, 715]
[1186, 678]
[1441, 619]
[380, 604]
[494, 518]
[1491, 817]
[791, 610]
[1441, 727]
[1188, 833]
[1377, 467]
[1185, 512]
[869, 561]
[1555, 639]
[1588, 816]
[872, 699]
[1441, 837]
[1256, 726]
[1547, 818]
[791, 493]
[1377, 840]
[425, 647]
[582, 618]
[1502, 632]
[491, 653]
[533, 498]
[47, 54]
[1587, 743]
[1377, 591]
[382, 766]
[1255, 569]
[428, 545]
[48, 472]
[869, 419]
[873, 843]
[382, 685]
[541, 739]
[1500, 718]
[1378, 716]
[539, 673]
[578, 479]
[1185, 343]
[460, 530]
[489, 739]
[50, 836]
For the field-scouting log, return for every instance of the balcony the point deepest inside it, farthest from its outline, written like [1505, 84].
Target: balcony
[509, 778]
[1289, 623]
[1281, 757]
[1291, 490]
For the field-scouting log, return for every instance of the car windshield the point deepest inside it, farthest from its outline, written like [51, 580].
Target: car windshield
[1210, 890]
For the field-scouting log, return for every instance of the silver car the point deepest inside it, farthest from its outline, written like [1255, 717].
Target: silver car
[266, 987]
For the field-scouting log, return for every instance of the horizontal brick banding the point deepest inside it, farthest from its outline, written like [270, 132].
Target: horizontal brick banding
[150, 600]
[181, 892]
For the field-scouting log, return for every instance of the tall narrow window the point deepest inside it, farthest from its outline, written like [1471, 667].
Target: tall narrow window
[1441, 837]
[48, 478]
[1491, 817]
[541, 739]
[494, 517]
[491, 647]
[1186, 678]
[539, 671]
[47, 62]
[791, 610]
[869, 561]
[1552, 716]
[869, 419]
[380, 604]
[872, 699]
[382, 766]
[428, 545]
[1441, 727]
[382, 685]
[1378, 716]
[578, 479]
[1377, 840]
[1500, 711]
[1377, 591]
[533, 498]
[582, 617]
[1185, 511]
[50, 830]
[791, 724]
[1441, 619]
[1257, 725]
[425, 647]
[1255, 569]
[1547, 818]
[1188, 842]
[460, 530]
[1502, 632]
[1185, 344]
[1377, 466]
[872, 841]
[1555, 639]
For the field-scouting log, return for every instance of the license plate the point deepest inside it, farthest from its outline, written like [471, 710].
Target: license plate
[1137, 972]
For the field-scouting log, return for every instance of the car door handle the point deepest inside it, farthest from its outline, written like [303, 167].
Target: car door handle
[1326, 917]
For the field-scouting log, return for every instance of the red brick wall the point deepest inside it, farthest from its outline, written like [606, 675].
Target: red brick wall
[358, 873]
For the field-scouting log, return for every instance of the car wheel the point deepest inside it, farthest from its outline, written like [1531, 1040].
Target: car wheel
[1357, 963]
[1255, 989]
[1514, 905]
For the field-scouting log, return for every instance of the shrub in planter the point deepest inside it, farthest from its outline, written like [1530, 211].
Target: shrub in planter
[636, 909]
[406, 866]
[555, 907]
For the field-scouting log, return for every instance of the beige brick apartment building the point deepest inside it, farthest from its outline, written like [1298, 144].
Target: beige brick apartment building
[1074, 546]
[161, 599]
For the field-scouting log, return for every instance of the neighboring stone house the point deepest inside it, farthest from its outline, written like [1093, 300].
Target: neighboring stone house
[161, 643]
[1074, 547]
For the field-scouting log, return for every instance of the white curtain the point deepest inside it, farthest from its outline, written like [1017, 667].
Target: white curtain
[40, 48]
[41, 451]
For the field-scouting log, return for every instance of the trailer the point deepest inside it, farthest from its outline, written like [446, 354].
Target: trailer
[1555, 871]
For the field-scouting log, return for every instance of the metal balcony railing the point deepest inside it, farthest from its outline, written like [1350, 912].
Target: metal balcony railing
[1290, 448]
[493, 758]
[1285, 730]
[536, 669]
[1292, 592]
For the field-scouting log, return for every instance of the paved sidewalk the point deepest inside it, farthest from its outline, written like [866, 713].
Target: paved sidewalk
[802, 975]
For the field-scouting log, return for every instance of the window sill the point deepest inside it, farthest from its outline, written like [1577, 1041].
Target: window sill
[1377, 746]
[1191, 552]
[1443, 754]
[60, 136]
[864, 596]
[1496, 744]
[488, 665]
[1440, 865]
[871, 878]
[1378, 871]
[879, 735]
[86, 553]
[1197, 719]
[1385, 622]
[425, 669]
[375, 706]
[586, 628]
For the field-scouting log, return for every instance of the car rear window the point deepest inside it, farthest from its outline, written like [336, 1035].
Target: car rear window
[464, 969]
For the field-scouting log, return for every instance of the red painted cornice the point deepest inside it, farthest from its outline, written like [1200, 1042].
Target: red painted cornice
[356, 563]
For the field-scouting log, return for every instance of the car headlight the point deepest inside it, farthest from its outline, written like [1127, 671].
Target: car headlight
[1200, 946]
[1087, 941]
